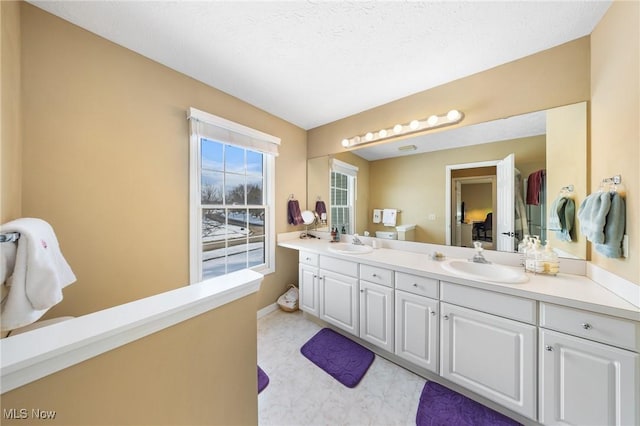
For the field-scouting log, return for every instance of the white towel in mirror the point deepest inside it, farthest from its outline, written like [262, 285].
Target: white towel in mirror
[389, 217]
[377, 215]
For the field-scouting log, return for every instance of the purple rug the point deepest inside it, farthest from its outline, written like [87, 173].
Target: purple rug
[263, 380]
[344, 360]
[440, 406]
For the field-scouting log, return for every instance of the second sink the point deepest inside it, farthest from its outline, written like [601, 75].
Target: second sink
[485, 271]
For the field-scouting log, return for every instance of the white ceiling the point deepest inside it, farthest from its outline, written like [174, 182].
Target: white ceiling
[314, 62]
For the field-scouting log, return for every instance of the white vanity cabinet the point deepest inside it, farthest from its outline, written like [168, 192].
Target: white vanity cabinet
[308, 283]
[588, 368]
[339, 296]
[376, 306]
[490, 352]
[416, 320]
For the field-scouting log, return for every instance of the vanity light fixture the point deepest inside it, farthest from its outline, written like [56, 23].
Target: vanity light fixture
[452, 117]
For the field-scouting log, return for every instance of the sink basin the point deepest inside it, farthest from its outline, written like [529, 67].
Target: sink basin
[345, 248]
[485, 271]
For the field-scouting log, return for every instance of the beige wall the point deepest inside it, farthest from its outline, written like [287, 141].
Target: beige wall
[10, 148]
[615, 128]
[477, 198]
[173, 377]
[416, 183]
[566, 165]
[105, 161]
[558, 76]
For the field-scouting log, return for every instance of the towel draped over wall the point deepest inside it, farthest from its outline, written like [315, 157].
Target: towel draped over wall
[534, 185]
[37, 276]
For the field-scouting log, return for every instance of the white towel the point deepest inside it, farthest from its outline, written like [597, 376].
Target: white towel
[39, 275]
[377, 215]
[389, 217]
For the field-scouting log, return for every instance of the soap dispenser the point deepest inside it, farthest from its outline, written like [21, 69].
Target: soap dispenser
[550, 260]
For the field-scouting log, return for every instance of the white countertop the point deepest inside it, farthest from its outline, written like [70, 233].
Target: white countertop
[564, 289]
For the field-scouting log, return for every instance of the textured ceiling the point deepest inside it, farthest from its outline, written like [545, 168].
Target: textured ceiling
[314, 62]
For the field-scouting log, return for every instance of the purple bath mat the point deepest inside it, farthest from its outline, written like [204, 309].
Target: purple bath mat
[263, 380]
[344, 360]
[440, 406]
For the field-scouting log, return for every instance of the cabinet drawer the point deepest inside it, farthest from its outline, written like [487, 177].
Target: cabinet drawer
[344, 267]
[376, 275]
[415, 284]
[601, 328]
[308, 258]
[503, 305]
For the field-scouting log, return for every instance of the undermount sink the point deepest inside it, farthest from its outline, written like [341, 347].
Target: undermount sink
[345, 248]
[485, 271]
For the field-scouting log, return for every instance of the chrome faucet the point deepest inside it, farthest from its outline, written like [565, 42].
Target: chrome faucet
[356, 241]
[478, 257]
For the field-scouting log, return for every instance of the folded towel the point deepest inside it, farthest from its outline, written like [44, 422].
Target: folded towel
[561, 217]
[534, 185]
[295, 216]
[377, 215]
[39, 274]
[321, 207]
[593, 215]
[614, 228]
[389, 217]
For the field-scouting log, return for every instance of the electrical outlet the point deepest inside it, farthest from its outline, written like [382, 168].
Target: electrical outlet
[432, 216]
[625, 245]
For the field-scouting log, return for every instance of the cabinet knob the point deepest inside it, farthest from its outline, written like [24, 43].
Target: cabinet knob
[433, 313]
[362, 291]
[374, 275]
[586, 325]
[446, 317]
[415, 284]
[307, 258]
[315, 276]
[548, 348]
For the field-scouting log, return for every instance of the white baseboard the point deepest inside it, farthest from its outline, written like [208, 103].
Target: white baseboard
[625, 289]
[267, 310]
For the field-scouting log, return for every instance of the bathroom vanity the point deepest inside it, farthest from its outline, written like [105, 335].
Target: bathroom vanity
[556, 350]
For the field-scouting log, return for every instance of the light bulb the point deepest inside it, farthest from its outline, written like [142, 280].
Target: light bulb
[368, 136]
[382, 133]
[345, 142]
[453, 115]
[356, 140]
[414, 124]
[433, 120]
[397, 129]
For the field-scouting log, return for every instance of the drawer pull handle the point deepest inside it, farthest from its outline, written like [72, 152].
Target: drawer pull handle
[548, 348]
[586, 326]
[446, 317]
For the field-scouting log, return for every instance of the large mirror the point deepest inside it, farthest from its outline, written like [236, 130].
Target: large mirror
[445, 186]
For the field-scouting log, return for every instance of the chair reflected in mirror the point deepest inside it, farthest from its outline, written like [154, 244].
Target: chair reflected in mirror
[482, 230]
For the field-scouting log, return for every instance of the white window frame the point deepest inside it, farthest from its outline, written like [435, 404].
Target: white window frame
[352, 172]
[202, 125]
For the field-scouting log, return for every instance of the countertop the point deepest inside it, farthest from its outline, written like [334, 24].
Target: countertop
[574, 291]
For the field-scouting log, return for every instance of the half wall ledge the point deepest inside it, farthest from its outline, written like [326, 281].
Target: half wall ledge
[35, 354]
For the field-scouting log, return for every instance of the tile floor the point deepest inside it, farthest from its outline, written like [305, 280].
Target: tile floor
[299, 393]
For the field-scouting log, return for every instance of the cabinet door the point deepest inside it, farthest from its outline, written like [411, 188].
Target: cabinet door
[309, 291]
[417, 329]
[490, 355]
[376, 314]
[587, 383]
[339, 300]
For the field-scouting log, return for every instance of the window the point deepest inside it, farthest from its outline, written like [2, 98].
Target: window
[232, 186]
[342, 193]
